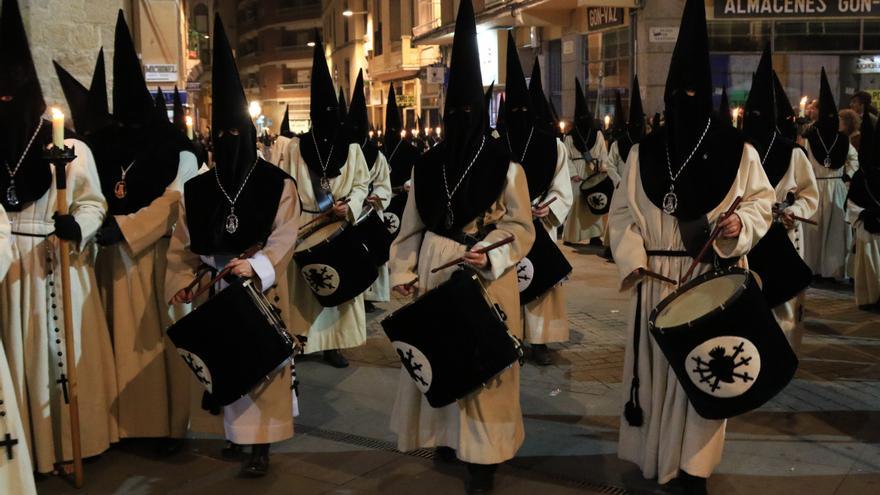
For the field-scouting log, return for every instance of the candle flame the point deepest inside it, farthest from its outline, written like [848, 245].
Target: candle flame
[415, 132]
[57, 113]
[607, 120]
[804, 101]
[403, 133]
[562, 125]
[189, 120]
[438, 130]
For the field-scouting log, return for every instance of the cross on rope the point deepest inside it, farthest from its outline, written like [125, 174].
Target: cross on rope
[9, 443]
[63, 382]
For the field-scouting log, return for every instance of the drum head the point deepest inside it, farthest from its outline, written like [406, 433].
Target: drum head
[320, 235]
[693, 302]
[593, 180]
[597, 190]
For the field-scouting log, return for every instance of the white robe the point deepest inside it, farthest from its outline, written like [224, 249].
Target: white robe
[152, 382]
[545, 320]
[16, 475]
[486, 426]
[866, 262]
[800, 180]
[827, 246]
[380, 186]
[582, 225]
[673, 437]
[615, 164]
[279, 151]
[28, 322]
[265, 415]
[342, 326]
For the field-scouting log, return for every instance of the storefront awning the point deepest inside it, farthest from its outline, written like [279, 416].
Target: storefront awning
[396, 75]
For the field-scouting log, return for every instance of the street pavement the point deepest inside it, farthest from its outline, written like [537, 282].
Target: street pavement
[820, 436]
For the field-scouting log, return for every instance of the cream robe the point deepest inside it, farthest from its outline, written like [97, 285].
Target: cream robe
[153, 383]
[265, 415]
[581, 224]
[615, 164]
[345, 325]
[486, 426]
[827, 246]
[16, 475]
[28, 322]
[279, 151]
[866, 262]
[380, 185]
[545, 320]
[800, 180]
[673, 435]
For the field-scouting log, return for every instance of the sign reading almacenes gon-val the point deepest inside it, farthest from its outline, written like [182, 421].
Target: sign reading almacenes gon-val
[796, 8]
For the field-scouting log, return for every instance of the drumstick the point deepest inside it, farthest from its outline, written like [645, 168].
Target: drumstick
[654, 275]
[249, 252]
[795, 217]
[324, 214]
[482, 250]
[715, 233]
[548, 203]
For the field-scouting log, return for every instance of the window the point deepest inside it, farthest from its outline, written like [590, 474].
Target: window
[291, 38]
[293, 4]
[871, 35]
[817, 36]
[200, 18]
[377, 32]
[608, 61]
[248, 47]
[345, 21]
[738, 36]
[394, 20]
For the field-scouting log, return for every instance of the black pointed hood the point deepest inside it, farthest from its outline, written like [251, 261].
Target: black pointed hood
[20, 115]
[540, 108]
[759, 120]
[161, 106]
[500, 119]
[99, 109]
[488, 102]
[618, 123]
[179, 113]
[465, 143]
[323, 106]
[786, 119]
[583, 132]
[635, 126]
[343, 110]
[656, 122]
[132, 103]
[826, 141]
[358, 124]
[393, 125]
[77, 97]
[864, 190]
[516, 92]
[285, 123]
[724, 114]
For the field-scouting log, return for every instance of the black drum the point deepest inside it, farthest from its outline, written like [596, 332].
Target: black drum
[394, 214]
[452, 340]
[597, 190]
[543, 268]
[723, 344]
[374, 234]
[335, 263]
[781, 271]
[233, 341]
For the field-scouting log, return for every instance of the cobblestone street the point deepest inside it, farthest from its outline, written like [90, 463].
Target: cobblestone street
[820, 436]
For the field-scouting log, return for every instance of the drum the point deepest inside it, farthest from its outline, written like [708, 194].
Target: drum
[394, 214]
[723, 344]
[781, 271]
[372, 231]
[543, 268]
[452, 340]
[335, 263]
[597, 190]
[233, 341]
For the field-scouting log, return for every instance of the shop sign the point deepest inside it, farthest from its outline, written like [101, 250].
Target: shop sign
[663, 34]
[193, 86]
[405, 100]
[868, 65]
[437, 74]
[605, 17]
[795, 8]
[160, 72]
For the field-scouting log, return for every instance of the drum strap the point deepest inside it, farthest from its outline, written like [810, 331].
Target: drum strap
[633, 410]
[323, 199]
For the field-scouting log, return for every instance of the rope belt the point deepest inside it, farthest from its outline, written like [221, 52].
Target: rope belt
[668, 253]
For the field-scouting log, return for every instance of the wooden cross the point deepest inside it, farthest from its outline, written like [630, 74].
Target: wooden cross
[9, 443]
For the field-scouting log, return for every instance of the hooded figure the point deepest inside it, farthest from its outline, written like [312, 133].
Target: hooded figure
[35, 349]
[285, 123]
[88, 106]
[659, 224]
[358, 122]
[401, 155]
[490, 92]
[241, 202]
[635, 125]
[77, 97]
[786, 119]
[584, 133]
[545, 162]
[178, 117]
[724, 115]
[343, 111]
[540, 107]
[486, 201]
[161, 106]
[863, 213]
[618, 122]
[393, 125]
[828, 244]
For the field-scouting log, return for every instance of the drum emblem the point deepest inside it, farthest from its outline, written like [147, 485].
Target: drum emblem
[322, 279]
[597, 200]
[198, 367]
[392, 222]
[725, 366]
[415, 363]
[525, 273]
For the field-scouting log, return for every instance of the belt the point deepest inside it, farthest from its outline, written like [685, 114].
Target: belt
[829, 178]
[28, 234]
[668, 253]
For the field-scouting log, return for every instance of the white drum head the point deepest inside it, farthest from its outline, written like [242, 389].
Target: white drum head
[318, 236]
[591, 181]
[699, 300]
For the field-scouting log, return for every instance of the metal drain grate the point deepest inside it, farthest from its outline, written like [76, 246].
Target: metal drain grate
[376, 444]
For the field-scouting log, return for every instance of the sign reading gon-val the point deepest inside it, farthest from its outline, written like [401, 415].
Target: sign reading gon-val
[605, 17]
[796, 8]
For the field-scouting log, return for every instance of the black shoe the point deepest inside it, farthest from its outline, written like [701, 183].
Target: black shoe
[541, 355]
[258, 464]
[481, 479]
[606, 253]
[232, 451]
[444, 455]
[693, 485]
[369, 307]
[335, 358]
[596, 241]
[167, 447]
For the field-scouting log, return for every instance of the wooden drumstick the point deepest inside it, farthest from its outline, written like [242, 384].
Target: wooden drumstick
[657, 276]
[248, 253]
[324, 214]
[482, 250]
[547, 203]
[715, 233]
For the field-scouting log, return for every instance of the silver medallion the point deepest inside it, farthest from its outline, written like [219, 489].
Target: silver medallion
[231, 223]
[12, 196]
[449, 218]
[670, 202]
[827, 162]
[325, 183]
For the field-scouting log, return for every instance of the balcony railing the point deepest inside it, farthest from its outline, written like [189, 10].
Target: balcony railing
[292, 86]
[429, 17]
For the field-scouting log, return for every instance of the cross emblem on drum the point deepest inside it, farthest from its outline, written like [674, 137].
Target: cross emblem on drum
[597, 200]
[196, 368]
[722, 368]
[319, 279]
[392, 222]
[411, 367]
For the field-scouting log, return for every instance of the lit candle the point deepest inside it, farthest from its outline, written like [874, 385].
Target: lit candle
[189, 127]
[562, 126]
[57, 128]
[438, 130]
[803, 106]
[734, 114]
[380, 133]
[415, 133]
[403, 134]
[370, 134]
[607, 121]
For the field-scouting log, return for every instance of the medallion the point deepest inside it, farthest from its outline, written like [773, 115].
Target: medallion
[231, 223]
[12, 196]
[449, 219]
[827, 162]
[670, 202]
[120, 190]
